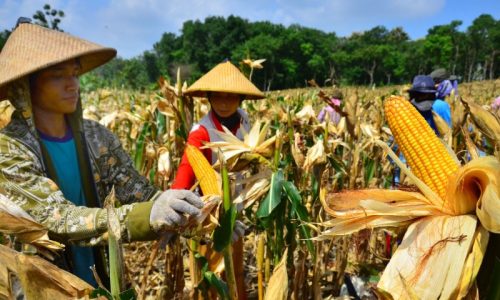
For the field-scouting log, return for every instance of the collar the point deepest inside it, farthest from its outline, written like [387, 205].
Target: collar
[218, 125]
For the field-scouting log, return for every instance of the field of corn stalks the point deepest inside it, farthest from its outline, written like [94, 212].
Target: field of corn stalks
[281, 177]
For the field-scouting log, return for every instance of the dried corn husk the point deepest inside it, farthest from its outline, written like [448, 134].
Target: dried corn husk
[473, 262]
[17, 222]
[253, 146]
[435, 223]
[306, 114]
[443, 241]
[40, 279]
[315, 155]
[6, 110]
[277, 288]
[442, 127]
[487, 122]
[164, 162]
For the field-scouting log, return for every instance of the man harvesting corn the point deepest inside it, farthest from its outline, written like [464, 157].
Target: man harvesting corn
[59, 167]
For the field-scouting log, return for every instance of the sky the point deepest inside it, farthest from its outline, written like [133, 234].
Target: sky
[133, 26]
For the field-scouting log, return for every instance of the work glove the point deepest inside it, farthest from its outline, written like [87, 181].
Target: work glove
[238, 230]
[171, 207]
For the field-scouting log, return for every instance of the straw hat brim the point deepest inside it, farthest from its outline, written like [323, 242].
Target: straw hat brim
[32, 48]
[225, 78]
[203, 93]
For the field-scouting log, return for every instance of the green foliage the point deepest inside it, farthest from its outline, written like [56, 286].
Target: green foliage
[299, 212]
[210, 279]
[49, 17]
[273, 198]
[4, 35]
[223, 233]
[296, 54]
[125, 295]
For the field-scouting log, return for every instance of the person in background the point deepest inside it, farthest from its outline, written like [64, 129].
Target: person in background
[334, 117]
[423, 97]
[442, 82]
[454, 83]
[59, 167]
[495, 106]
[225, 87]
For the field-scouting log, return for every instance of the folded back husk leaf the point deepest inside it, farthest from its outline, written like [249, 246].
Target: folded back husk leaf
[443, 241]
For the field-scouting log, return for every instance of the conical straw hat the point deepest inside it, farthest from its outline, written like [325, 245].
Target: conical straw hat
[31, 48]
[226, 78]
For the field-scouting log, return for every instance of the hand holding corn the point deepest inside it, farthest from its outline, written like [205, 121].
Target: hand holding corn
[170, 209]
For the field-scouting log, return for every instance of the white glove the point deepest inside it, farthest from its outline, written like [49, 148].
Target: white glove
[169, 209]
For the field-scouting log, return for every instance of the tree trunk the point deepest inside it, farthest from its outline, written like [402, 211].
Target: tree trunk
[492, 64]
[332, 74]
[454, 65]
[371, 72]
[485, 68]
[471, 66]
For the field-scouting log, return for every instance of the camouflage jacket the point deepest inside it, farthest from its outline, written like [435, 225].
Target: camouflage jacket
[26, 179]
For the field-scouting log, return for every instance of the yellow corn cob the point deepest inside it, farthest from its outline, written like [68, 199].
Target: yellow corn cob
[425, 154]
[203, 171]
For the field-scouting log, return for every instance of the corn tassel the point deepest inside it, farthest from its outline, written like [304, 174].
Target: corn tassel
[426, 155]
[203, 171]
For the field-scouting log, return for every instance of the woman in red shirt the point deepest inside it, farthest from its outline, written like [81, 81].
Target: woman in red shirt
[225, 87]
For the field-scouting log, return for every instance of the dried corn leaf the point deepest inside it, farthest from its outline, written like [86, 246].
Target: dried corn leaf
[315, 155]
[473, 262]
[432, 251]
[484, 120]
[6, 110]
[253, 192]
[17, 222]
[277, 288]
[42, 280]
[306, 114]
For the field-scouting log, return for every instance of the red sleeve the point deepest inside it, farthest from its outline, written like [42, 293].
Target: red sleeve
[185, 177]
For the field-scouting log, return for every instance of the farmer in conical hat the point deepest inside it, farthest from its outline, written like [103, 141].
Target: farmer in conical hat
[225, 87]
[59, 167]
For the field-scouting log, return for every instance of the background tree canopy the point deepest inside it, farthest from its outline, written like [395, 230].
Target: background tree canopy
[296, 54]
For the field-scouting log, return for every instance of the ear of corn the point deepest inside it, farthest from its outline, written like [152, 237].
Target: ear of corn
[427, 157]
[203, 171]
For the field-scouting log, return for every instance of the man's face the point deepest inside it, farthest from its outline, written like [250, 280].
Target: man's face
[224, 104]
[56, 89]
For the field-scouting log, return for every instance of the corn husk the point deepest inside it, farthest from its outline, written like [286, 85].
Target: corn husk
[40, 279]
[164, 162]
[253, 146]
[487, 122]
[315, 155]
[6, 110]
[306, 114]
[473, 261]
[256, 187]
[444, 245]
[277, 288]
[17, 222]
[430, 257]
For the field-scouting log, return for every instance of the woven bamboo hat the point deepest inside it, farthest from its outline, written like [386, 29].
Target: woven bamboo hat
[226, 78]
[31, 48]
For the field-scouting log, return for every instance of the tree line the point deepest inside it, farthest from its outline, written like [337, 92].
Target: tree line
[295, 54]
